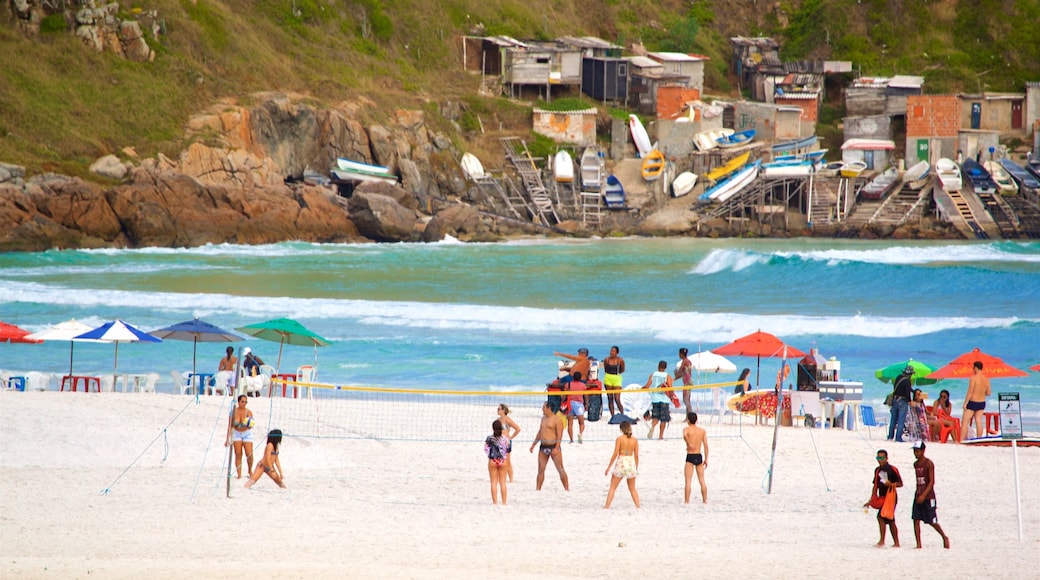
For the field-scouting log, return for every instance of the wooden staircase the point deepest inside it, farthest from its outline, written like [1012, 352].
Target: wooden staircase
[541, 205]
[965, 212]
[824, 200]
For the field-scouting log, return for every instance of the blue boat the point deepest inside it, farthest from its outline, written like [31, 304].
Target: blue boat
[725, 189]
[795, 146]
[981, 180]
[1024, 179]
[614, 194]
[736, 139]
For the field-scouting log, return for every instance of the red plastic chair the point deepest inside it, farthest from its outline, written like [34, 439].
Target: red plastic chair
[946, 430]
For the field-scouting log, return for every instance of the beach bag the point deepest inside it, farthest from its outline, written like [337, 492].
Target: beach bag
[889, 399]
[877, 502]
[888, 508]
[595, 410]
[494, 452]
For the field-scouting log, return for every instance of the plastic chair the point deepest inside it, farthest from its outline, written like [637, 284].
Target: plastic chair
[252, 386]
[954, 428]
[149, 383]
[719, 408]
[38, 381]
[220, 384]
[869, 420]
[180, 383]
[306, 374]
[108, 383]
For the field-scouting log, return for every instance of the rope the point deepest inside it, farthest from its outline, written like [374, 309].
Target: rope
[216, 421]
[166, 450]
[819, 460]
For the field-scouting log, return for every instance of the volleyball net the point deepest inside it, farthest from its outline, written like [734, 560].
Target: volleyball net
[319, 410]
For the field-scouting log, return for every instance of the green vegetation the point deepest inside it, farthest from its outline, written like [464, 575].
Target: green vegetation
[62, 105]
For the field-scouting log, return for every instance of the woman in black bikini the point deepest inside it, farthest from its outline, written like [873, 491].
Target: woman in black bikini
[613, 368]
[270, 464]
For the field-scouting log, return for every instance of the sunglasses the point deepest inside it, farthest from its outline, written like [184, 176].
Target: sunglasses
[880, 457]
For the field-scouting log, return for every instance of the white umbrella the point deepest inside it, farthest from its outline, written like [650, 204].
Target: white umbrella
[118, 331]
[67, 330]
[708, 361]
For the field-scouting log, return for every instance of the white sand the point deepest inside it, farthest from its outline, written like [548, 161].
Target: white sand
[371, 509]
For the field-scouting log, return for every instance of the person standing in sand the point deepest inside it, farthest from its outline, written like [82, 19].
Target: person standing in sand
[580, 365]
[575, 407]
[975, 402]
[886, 480]
[270, 464]
[550, 435]
[495, 447]
[626, 455]
[684, 371]
[240, 434]
[924, 500]
[659, 411]
[696, 455]
[229, 361]
[511, 430]
[613, 368]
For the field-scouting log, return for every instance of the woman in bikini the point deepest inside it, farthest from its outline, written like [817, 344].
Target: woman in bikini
[229, 362]
[626, 466]
[270, 464]
[935, 425]
[613, 368]
[510, 430]
[240, 434]
[495, 448]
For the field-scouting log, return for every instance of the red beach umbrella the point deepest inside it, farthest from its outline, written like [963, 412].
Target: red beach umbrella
[12, 333]
[962, 367]
[1035, 368]
[758, 344]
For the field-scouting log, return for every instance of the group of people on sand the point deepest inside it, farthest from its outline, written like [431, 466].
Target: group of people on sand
[624, 460]
[884, 496]
[240, 438]
[912, 415]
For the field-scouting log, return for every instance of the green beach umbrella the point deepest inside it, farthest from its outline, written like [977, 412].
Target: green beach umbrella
[285, 331]
[921, 370]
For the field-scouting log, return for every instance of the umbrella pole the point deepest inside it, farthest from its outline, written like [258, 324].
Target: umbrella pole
[281, 344]
[779, 389]
[115, 368]
[72, 346]
[194, 349]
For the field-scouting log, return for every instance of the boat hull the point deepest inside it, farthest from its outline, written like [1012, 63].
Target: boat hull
[683, 183]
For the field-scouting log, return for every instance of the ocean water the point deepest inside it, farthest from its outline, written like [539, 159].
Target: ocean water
[489, 316]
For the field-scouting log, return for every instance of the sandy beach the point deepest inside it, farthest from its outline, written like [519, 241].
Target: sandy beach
[118, 485]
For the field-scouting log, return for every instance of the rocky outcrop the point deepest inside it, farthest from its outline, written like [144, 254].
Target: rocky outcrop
[97, 25]
[381, 218]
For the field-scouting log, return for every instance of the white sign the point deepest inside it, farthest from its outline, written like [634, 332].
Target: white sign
[1010, 415]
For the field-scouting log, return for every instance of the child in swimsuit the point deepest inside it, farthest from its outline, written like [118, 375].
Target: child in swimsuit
[495, 447]
[270, 464]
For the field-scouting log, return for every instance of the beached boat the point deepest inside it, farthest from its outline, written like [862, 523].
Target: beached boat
[794, 147]
[1005, 185]
[472, 167]
[1024, 179]
[796, 168]
[981, 180]
[1033, 166]
[813, 156]
[683, 183]
[563, 167]
[704, 141]
[312, 177]
[852, 168]
[949, 174]
[653, 165]
[727, 168]
[614, 194]
[881, 184]
[356, 172]
[726, 189]
[639, 135]
[736, 139]
[591, 169]
[830, 169]
[917, 176]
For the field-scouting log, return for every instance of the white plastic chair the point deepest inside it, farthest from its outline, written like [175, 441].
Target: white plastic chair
[181, 384]
[149, 383]
[220, 384]
[108, 383]
[306, 374]
[251, 385]
[719, 408]
[37, 381]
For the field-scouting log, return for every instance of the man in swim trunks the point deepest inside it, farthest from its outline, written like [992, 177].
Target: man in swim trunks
[924, 499]
[576, 407]
[580, 365]
[696, 440]
[975, 401]
[550, 434]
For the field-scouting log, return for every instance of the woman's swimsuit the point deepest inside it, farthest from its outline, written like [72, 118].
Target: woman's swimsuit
[625, 467]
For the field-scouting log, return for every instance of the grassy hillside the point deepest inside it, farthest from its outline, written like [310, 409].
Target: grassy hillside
[61, 105]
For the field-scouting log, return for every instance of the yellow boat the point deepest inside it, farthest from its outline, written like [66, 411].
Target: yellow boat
[729, 167]
[653, 165]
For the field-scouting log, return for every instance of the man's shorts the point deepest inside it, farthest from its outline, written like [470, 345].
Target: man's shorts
[924, 512]
[661, 412]
[577, 409]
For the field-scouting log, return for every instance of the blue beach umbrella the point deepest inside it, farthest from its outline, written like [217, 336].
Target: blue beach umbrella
[196, 331]
[117, 331]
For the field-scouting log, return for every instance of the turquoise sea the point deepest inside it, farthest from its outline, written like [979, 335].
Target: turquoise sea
[489, 316]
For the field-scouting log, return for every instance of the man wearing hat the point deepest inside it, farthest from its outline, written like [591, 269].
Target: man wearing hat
[904, 385]
[250, 362]
[924, 498]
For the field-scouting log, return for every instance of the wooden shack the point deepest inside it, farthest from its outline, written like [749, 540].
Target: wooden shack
[690, 66]
[1002, 112]
[605, 78]
[519, 64]
[749, 54]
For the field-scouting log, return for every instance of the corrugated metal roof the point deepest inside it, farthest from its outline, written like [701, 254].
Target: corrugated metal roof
[673, 57]
[1033, 84]
[644, 62]
[587, 42]
[759, 41]
[581, 112]
[798, 96]
[906, 82]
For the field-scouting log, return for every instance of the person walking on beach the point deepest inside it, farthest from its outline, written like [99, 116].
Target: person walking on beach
[886, 480]
[575, 407]
[229, 361]
[924, 499]
[696, 455]
[684, 371]
[975, 402]
[270, 464]
[496, 448]
[550, 435]
[625, 461]
[240, 434]
[900, 403]
[659, 412]
[511, 430]
[580, 365]
[613, 368]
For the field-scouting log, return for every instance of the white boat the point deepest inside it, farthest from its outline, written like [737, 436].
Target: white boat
[1005, 185]
[917, 176]
[639, 135]
[881, 184]
[472, 167]
[704, 141]
[591, 169]
[348, 165]
[563, 167]
[852, 168]
[356, 172]
[726, 189]
[787, 168]
[683, 183]
[815, 156]
[949, 174]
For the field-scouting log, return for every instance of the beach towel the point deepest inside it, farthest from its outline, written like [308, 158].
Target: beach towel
[621, 418]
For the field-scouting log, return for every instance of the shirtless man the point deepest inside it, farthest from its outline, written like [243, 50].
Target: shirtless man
[550, 435]
[696, 439]
[580, 364]
[975, 401]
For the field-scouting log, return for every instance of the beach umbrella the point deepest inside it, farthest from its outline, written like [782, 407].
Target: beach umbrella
[708, 361]
[12, 333]
[196, 331]
[962, 367]
[758, 344]
[1035, 368]
[117, 331]
[285, 331]
[921, 372]
[67, 330]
